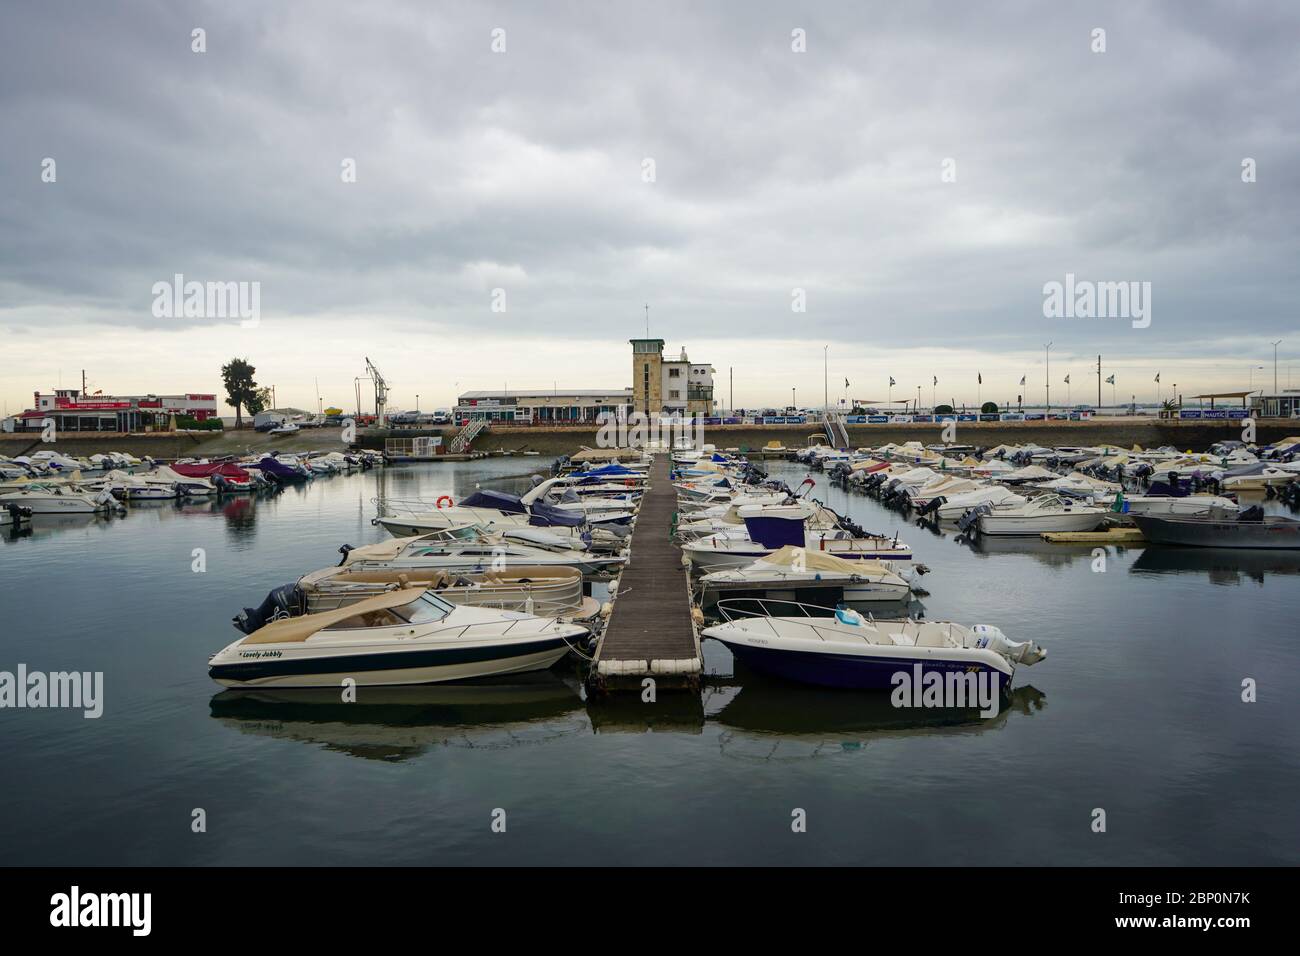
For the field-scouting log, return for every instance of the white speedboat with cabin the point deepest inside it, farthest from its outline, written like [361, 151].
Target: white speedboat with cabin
[1047, 513]
[995, 496]
[850, 651]
[407, 636]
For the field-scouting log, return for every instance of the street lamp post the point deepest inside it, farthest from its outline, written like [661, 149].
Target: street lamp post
[1275, 345]
[1047, 351]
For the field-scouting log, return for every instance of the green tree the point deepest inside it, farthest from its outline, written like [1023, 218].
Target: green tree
[260, 402]
[241, 389]
[943, 409]
[989, 408]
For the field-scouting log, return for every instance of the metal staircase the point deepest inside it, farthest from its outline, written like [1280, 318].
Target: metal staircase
[460, 444]
[837, 435]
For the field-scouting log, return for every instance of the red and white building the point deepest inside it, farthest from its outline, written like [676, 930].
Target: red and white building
[75, 412]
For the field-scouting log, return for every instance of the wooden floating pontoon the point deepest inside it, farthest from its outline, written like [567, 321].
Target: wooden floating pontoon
[1109, 536]
[651, 632]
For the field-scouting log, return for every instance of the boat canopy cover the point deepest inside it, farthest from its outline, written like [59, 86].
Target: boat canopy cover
[384, 550]
[775, 527]
[1159, 489]
[496, 500]
[225, 469]
[605, 470]
[543, 515]
[812, 560]
[291, 630]
[273, 466]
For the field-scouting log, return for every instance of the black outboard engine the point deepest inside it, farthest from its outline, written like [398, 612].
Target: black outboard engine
[932, 506]
[1254, 514]
[343, 550]
[971, 518]
[284, 601]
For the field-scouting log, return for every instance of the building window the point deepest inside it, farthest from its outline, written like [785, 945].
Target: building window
[674, 373]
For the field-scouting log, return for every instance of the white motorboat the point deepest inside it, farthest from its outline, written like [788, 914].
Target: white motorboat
[1047, 513]
[1160, 499]
[495, 553]
[543, 591]
[790, 572]
[995, 496]
[54, 499]
[493, 509]
[770, 528]
[286, 428]
[846, 650]
[406, 636]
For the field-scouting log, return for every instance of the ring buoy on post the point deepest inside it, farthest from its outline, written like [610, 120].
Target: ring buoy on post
[446, 498]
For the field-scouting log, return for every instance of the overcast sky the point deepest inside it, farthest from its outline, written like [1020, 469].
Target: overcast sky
[525, 170]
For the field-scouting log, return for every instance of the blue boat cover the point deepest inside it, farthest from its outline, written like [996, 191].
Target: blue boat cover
[499, 500]
[544, 515]
[775, 533]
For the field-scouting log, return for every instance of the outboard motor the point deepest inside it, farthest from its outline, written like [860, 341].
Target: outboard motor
[284, 601]
[1255, 513]
[343, 550]
[971, 518]
[992, 638]
[932, 506]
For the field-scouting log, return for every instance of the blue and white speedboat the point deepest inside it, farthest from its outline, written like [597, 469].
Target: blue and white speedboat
[847, 650]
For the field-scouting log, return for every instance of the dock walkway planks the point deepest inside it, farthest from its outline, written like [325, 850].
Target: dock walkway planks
[650, 633]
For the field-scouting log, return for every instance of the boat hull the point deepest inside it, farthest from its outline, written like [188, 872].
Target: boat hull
[851, 672]
[303, 667]
[1203, 533]
[995, 524]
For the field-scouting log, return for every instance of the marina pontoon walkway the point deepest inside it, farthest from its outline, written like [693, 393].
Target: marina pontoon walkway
[650, 633]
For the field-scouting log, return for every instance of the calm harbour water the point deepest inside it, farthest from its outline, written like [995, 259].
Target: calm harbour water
[1137, 710]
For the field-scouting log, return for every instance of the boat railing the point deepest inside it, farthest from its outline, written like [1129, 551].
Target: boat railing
[732, 609]
[390, 507]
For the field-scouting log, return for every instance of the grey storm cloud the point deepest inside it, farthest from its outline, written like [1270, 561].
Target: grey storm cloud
[774, 170]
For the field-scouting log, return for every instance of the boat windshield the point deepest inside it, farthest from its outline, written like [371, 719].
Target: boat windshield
[425, 609]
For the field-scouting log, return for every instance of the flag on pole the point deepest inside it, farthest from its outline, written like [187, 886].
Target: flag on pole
[846, 383]
[1157, 376]
[1111, 380]
[1022, 380]
[891, 381]
[979, 377]
[936, 380]
[1067, 380]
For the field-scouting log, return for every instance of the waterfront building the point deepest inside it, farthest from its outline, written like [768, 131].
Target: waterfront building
[553, 406]
[676, 386]
[73, 411]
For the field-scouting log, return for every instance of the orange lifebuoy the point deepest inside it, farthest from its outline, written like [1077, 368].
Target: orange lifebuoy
[446, 498]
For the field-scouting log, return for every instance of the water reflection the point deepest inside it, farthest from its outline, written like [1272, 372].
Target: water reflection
[399, 723]
[1049, 553]
[1219, 565]
[766, 719]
